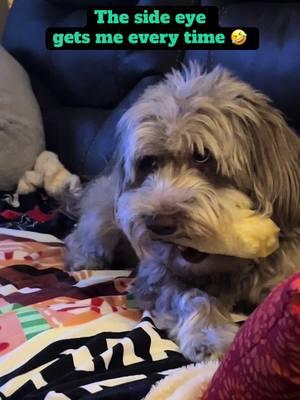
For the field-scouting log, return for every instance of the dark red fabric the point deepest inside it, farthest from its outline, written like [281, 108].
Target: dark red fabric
[37, 212]
[263, 362]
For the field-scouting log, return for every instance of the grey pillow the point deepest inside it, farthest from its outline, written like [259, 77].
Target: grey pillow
[21, 129]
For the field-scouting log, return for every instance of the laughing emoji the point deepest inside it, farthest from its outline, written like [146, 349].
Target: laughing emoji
[238, 37]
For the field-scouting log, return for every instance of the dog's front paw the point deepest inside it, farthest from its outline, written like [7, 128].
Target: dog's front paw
[210, 343]
[78, 257]
[78, 263]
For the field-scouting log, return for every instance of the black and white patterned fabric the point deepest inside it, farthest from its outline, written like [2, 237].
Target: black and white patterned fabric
[107, 365]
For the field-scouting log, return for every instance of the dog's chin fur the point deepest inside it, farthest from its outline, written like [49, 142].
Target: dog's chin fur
[253, 163]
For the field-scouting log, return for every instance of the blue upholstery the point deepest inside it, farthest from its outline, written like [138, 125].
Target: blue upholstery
[83, 93]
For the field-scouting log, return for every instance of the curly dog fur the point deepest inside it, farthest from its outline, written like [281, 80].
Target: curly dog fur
[192, 149]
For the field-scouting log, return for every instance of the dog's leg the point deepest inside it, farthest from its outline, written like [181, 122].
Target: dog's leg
[92, 243]
[202, 329]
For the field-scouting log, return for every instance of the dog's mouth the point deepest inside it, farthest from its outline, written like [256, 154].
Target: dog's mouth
[188, 254]
[191, 255]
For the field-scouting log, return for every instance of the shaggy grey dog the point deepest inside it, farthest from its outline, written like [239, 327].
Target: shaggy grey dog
[193, 148]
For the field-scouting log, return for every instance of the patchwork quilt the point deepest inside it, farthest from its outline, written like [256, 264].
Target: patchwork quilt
[73, 335]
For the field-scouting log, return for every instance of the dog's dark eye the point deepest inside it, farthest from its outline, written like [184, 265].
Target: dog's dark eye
[147, 164]
[201, 158]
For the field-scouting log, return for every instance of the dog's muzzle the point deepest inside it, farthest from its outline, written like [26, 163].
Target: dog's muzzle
[163, 227]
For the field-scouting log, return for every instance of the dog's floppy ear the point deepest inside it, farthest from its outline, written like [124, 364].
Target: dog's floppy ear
[125, 149]
[115, 170]
[272, 162]
[120, 180]
[123, 158]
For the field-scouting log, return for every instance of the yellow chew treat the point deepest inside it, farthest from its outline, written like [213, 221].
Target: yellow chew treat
[249, 235]
[254, 236]
[246, 235]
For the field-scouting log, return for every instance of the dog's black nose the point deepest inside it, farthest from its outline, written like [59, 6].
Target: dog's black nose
[161, 224]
